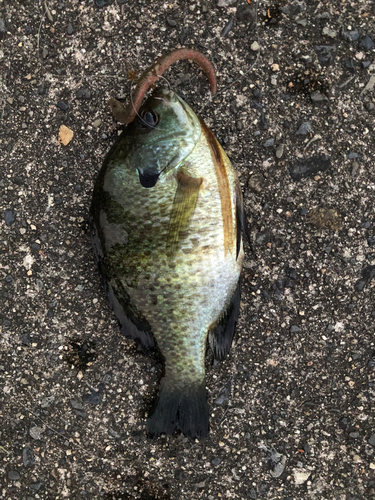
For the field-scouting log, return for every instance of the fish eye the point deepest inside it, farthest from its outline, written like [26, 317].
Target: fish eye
[149, 118]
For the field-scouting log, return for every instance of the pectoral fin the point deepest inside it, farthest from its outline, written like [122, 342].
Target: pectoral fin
[183, 208]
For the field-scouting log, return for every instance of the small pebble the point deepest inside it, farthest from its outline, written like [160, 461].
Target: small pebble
[13, 475]
[42, 88]
[10, 216]
[36, 432]
[367, 43]
[308, 167]
[83, 93]
[304, 129]
[62, 105]
[318, 98]
[255, 46]
[227, 28]
[28, 458]
[269, 143]
[300, 476]
[279, 151]
[171, 22]
[329, 32]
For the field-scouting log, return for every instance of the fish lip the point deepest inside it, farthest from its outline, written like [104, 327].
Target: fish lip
[162, 92]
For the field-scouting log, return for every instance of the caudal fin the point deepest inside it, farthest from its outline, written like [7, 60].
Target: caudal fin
[183, 409]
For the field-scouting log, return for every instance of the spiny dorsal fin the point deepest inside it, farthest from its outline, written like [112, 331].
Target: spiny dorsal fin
[183, 208]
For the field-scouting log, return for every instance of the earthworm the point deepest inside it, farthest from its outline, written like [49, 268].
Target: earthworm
[152, 74]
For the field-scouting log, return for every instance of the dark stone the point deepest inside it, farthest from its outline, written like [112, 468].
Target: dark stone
[263, 122]
[227, 28]
[13, 475]
[36, 486]
[102, 3]
[70, 29]
[25, 338]
[368, 273]
[349, 64]
[257, 105]
[253, 494]
[367, 43]
[371, 440]
[216, 461]
[351, 36]
[62, 105]
[35, 246]
[42, 88]
[360, 285]
[184, 35]
[304, 129]
[308, 167]
[77, 405]
[246, 14]
[318, 98]
[18, 180]
[223, 397]
[83, 94]
[352, 155]
[325, 54]
[95, 397]
[294, 8]
[294, 329]
[2, 27]
[366, 64]
[371, 241]
[10, 216]
[28, 457]
[9, 278]
[171, 22]
[269, 143]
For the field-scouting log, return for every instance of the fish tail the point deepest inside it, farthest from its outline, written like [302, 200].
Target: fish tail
[183, 409]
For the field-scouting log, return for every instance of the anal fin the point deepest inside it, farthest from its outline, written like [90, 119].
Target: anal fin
[222, 332]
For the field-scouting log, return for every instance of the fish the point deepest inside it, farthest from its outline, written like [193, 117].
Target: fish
[167, 231]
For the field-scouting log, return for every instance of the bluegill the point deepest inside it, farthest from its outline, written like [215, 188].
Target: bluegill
[167, 233]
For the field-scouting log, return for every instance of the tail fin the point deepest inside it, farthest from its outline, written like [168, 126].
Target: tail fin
[183, 409]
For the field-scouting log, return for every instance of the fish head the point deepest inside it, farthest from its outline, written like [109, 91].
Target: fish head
[162, 135]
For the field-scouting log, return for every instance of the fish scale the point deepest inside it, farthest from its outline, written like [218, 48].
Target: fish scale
[169, 253]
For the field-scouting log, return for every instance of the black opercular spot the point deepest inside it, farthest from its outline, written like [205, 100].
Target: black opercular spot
[148, 179]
